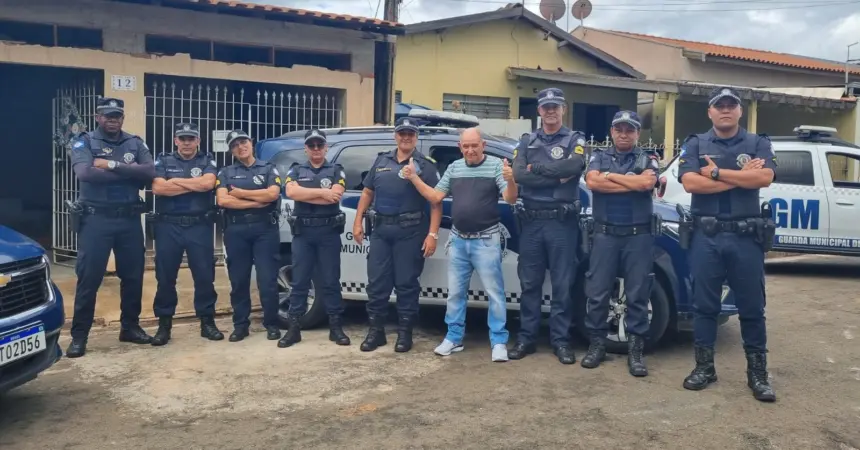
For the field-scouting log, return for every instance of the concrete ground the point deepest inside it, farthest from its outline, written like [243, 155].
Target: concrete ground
[195, 394]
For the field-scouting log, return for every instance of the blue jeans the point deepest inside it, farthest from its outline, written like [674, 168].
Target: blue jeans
[484, 256]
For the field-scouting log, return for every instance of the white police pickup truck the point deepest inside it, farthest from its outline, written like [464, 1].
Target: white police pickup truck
[816, 195]
[356, 149]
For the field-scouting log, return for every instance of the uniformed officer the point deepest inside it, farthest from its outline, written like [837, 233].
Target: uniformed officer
[112, 167]
[724, 169]
[316, 186]
[402, 236]
[184, 187]
[548, 164]
[249, 191]
[623, 241]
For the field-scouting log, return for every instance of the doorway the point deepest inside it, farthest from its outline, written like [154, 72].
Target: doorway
[39, 106]
[594, 120]
[528, 110]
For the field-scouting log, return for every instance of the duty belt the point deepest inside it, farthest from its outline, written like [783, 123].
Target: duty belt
[182, 220]
[619, 230]
[712, 225]
[251, 218]
[317, 221]
[115, 212]
[398, 218]
[477, 234]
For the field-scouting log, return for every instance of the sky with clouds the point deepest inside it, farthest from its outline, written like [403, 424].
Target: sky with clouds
[816, 28]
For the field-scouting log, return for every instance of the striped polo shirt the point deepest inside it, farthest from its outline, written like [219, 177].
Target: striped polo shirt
[475, 190]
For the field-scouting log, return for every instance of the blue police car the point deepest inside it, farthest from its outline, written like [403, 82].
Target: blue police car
[356, 149]
[31, 311]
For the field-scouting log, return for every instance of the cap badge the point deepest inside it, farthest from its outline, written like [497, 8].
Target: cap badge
[550, 95]
[186, 128]
[112, 103]
[233, 135]
[314, 133]
[406, 122]
[726, 92]
[625, 116]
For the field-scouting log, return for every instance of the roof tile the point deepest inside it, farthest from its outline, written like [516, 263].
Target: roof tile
[298, 12]
[747, 54]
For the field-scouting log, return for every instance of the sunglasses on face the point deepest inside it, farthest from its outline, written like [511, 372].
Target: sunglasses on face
[315, 146]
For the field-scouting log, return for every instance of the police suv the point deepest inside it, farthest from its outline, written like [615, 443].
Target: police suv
[815, 197]
[357, 148]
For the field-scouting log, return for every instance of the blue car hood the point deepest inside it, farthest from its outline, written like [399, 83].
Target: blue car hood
[666, 210]
[15, 246]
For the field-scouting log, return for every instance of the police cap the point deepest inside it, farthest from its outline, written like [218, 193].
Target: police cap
[406, 124]
[551, 96]
[315, 135]
[108, 105]
[186, 129]
[722, 92]
[628, 117]
[236, 135]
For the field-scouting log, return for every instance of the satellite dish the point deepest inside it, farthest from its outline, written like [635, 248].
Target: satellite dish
[552, 10]
[581, 9]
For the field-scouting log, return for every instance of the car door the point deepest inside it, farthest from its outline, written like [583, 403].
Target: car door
[356, 158]
[798, 198]
[841, 170]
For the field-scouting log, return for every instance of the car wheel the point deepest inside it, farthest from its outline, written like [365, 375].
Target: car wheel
[315, 315]
[617, 338]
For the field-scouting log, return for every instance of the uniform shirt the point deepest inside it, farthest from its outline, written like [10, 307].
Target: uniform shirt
[395, 195]
[308, 176]
[732, 154]
[259, 175]
[552, 157]
[620, 208]
[476, 193]
[121, 186]
[172, 165]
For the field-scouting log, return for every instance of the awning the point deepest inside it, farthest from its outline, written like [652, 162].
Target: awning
[592, 80]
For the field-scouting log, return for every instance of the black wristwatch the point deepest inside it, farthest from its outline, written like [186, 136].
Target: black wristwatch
[715, 173]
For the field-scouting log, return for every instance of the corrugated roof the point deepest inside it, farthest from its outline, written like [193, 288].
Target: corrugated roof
[283, 13]
[746, 54]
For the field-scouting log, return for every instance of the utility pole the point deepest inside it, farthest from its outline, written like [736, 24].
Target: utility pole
[392, 14]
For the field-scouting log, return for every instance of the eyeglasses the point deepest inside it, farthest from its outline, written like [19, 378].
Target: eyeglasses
[317, 146]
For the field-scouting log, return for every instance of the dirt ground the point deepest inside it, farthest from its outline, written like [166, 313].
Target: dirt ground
[195, 394]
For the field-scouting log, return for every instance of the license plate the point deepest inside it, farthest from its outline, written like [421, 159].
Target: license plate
[22, 343]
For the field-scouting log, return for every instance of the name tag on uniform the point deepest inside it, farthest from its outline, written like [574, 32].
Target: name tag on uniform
[175, 170]
[383, 169]
[238, 177]
[306, 179]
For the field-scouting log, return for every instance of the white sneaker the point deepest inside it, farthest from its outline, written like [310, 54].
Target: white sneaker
[447, 347]
[500, 353]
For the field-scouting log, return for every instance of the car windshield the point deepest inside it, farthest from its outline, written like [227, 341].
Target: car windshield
[286, 157]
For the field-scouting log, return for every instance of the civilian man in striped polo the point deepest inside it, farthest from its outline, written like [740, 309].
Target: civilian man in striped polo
[475, 243]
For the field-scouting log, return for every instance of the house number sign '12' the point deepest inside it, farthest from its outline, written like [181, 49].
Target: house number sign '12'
[123, 83]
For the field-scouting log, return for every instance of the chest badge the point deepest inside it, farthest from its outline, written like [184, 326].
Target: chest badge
[556, 152]
[128, 158]
[107, 150]
[743, 159]
[325, 183]
[258, 180]
[196, 172]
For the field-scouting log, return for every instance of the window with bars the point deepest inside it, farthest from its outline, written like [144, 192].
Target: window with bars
[479, 106]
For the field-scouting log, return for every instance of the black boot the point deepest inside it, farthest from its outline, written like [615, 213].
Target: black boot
[209, 330]
[404, 334]
[565, 354]
[757, 377]
[239, 334]
[273, 333]
[704, 373]
[134, 334]
[293, 334]
[375, 334]
[162, 336]
[520, 350]
[77, 348]
[336, 333]
[635, 360]
[596, 353]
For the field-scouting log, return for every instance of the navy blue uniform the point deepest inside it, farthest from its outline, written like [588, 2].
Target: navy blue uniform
[184, 224]
[251, 238]
[550, 230]
[622, 240]
[727, 255]
[111, 221]
[395, 260]
[316, 245]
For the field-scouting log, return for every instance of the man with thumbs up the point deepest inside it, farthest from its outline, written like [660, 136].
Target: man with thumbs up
[475, 245]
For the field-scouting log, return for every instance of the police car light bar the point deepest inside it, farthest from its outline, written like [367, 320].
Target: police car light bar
[437, 118]
[808, 130]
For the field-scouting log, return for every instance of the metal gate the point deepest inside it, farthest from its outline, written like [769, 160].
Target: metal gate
[74, 109]
[263, 111]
